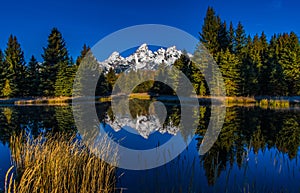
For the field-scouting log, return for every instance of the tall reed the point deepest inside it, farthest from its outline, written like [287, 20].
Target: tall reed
[55, 164]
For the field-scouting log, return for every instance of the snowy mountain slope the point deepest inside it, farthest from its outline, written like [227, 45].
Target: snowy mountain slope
[143, 58]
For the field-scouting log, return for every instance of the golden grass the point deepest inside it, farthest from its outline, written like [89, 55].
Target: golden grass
[56, 100]
[239, 100]
[54, 164]
[143, 96]
[104, 99]
[274, 103]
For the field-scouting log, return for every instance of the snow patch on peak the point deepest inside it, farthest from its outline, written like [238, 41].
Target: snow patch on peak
[142, 59]
[143, 47]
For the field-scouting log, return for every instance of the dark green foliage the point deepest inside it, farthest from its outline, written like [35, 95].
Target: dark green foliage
[33, 78]
[84, 51]
[240, 39]
[162, 87]
[102, 87]
[88, 72]
[14, 70]
[64, 79]
[2, 70]
[277, 85]
[249, 82]
[231, 37]
[289, 54]
[265, 68]
[111, 78]
[210, 31]
[229, 66]
[184, 65]
[56, 59]
[145, 86]
[223, 37]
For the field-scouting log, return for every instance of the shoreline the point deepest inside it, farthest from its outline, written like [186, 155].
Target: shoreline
[262, 100]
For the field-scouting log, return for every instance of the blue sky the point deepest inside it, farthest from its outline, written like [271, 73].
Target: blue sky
[87, 21]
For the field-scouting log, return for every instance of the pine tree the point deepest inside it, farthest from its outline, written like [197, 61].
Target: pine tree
[56, 58]
[295, 48]
[289, 53]
[231, 37]
[209, 76]
[102, 87]
[111, 79]
[88, 73]
[33, 77]
[14, 70]
[249, 82]
[184, 65]
[229, 66]
[2, 70]
[240, 39]
[223, 37]
[64, 79]
[210, 30]
[84, 51]
[265, 70]
[6, 91]
[277, 83]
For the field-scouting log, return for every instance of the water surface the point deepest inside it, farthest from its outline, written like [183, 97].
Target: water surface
[256, 151]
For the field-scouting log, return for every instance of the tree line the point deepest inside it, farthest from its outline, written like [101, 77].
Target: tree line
[250, 66]
[52, 77]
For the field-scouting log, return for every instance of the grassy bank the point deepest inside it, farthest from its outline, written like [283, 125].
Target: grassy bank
[273, 103]
[54, 164]
[38, 100]
[263, 101]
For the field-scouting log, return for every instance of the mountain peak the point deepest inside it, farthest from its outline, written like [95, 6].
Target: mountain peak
[143, 47]
[114, 55]
[143, 58]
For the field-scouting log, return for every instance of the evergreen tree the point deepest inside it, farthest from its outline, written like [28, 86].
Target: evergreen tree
[289, 54]
[88, 72]
[56, 59]
[249, 82]
[64, 79]
[161, 87]
[277, 83]
[184, 65]
[239, 39]
[111, 79]
[198, 81]
[102, 87]
[2, 71]
[231, 37]
[229, 66]
[210, 30]
[223, 37]
[264, 71]
[84, 51]
[6, 91]
[14, 70]
[33, 77]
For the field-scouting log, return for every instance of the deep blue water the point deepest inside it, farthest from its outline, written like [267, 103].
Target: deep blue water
[256, 151]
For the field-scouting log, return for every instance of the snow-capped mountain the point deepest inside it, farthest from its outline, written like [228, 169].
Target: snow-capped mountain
[142, 58]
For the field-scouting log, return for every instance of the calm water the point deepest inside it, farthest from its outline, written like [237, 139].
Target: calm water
[256, 151]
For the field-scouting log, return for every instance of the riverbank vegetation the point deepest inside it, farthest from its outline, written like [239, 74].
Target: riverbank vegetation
[59, 163]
